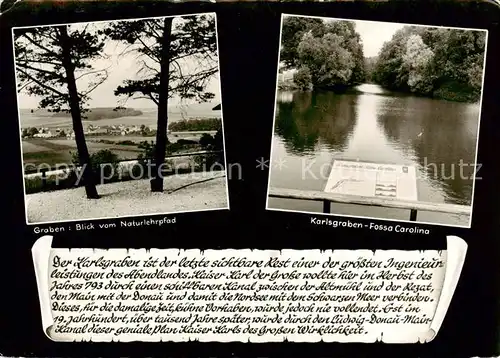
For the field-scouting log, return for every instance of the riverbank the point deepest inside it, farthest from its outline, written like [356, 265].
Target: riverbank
[182, 193]
[452, 92]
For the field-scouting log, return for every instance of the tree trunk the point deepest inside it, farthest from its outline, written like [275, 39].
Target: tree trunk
[74, 105]
[162, 126]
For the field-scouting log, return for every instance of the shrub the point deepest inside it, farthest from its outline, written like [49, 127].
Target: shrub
[209, 143]
[35, 184]
[186, 141]
[143, 159]
[303, 79]
[32, 185]
[148, 151]
[104, 163]
[455, 91]
[125, 142]
[206, 140]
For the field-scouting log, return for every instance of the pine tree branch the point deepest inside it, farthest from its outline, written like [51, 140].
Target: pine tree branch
[40, 46]
[153, 30]
[97, 84]
[154, 99]
[92, 72]
[40, 83]
[39, 61]
[24, 85]
[51, 73]
[148, 52]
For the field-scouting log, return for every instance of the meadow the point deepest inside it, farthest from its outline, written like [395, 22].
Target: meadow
[51, 152]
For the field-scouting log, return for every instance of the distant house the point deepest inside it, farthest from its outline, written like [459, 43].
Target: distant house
[286, 75]
[44, 135]
[96, 131]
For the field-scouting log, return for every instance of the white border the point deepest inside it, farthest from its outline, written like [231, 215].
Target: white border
[367, 217]
[126, 216]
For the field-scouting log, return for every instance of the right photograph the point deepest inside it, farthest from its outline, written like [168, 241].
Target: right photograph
[377, 120]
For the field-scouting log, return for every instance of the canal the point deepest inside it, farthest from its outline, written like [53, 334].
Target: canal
[371, 124]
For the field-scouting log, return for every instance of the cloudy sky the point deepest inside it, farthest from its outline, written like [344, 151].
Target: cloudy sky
[119, 68]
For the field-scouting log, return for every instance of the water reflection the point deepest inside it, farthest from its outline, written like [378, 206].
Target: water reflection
[441, 137]
[372, 124]
[312, 119]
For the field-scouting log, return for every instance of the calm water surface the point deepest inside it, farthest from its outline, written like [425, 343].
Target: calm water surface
[370, 124]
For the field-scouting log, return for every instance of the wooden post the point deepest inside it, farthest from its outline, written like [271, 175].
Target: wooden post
[326, 206]
[44, 179]
[413, 215]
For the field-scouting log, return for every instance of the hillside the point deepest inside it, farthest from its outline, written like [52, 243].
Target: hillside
[96, 114]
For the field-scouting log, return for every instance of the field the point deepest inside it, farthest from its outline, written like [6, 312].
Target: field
[54, 151]
[51, 152]
[58, 151]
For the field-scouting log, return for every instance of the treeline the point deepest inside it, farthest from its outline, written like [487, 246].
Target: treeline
[200, 124]
[437, 62]
[326, 55]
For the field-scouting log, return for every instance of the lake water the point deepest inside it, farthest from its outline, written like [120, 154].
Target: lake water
[370, 124]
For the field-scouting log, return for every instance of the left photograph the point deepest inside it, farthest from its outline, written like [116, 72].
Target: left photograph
[120, 118]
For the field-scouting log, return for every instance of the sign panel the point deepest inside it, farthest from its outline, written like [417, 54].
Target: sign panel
[388, 181]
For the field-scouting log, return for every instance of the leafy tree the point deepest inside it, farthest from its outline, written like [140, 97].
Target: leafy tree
[326, 54]
[351, 41]
[302, 78]
[49, 63]
[329, 63]
[389, 69]
[444, 63]
[418, 59]
[370, 63]
[162, 50]
[293, 29]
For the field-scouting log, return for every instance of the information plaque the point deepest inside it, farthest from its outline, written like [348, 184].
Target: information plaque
[389, 181]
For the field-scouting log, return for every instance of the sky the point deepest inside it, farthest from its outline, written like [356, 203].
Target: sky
[374, 34]
[119, 67]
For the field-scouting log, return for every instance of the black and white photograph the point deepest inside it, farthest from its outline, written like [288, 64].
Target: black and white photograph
[377, 120]
[120, 118]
